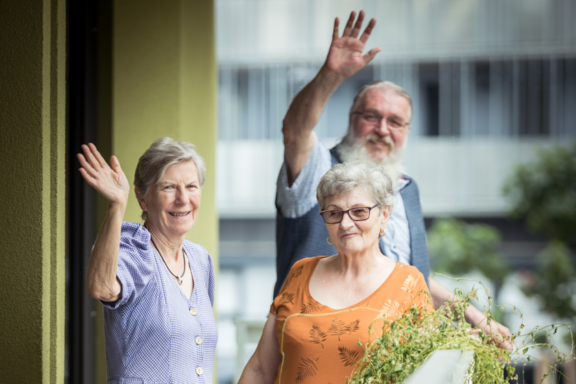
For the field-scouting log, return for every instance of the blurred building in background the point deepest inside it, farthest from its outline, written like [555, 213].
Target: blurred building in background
[491, 81]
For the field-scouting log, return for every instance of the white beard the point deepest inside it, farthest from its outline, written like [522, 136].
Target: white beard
[351, 149]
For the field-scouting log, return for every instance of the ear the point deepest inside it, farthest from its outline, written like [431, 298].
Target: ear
[384, 217]
[140, 199]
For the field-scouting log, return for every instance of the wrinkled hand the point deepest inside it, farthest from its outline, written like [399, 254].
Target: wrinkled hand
[345, 55]
[111, 183]
[498, 334]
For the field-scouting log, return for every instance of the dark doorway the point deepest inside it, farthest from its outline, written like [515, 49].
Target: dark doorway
[87, 79]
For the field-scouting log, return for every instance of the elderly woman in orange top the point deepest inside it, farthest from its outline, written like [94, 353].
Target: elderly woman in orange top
[328, 303]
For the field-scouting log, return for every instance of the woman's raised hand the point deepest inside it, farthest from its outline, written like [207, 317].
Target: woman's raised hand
[345, 55]
[109, 182]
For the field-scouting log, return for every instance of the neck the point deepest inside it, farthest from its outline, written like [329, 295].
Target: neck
[360, 263]
[169, 246]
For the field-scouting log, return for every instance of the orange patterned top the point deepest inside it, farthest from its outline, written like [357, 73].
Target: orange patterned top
[319, 344]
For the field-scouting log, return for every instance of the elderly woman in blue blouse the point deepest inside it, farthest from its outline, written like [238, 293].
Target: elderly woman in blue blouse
[156, 287]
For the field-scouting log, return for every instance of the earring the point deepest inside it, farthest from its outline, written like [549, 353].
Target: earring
[328, 240]
[382, 233]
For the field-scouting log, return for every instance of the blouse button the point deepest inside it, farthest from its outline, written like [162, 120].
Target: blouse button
[193, 311]
[199, 371]
[198, 340]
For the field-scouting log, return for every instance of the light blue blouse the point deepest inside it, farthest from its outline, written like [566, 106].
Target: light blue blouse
[154, 334]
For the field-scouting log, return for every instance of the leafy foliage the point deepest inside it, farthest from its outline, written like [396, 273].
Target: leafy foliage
[458, 248]
[407, 342]
[554, 281]
[545, 193]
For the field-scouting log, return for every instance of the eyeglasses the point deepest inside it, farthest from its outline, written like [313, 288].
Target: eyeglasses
[335, 216]
[376, 118]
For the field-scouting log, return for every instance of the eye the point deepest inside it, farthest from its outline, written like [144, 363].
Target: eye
[395, 123]
[371, 117]
[167, 187]
[333, 213]
[192, 186]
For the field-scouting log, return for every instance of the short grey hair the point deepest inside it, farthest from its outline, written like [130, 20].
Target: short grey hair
[385, 86]
[346, 177]
[163, 153]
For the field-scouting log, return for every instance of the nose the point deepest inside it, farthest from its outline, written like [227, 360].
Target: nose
[347, 221]
[382, 127]
[179, 196]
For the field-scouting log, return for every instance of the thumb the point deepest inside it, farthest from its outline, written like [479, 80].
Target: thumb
[370, 55]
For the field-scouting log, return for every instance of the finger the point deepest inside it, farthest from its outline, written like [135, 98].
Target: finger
[349, 24]
[86, 166]
[368, 31]
[335, 32]
[115, 164]
[90, 157]
[370, 55]
[89, 179]
[97, 155]
[358, 25]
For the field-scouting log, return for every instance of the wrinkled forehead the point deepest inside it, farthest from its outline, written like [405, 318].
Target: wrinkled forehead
[386, 102]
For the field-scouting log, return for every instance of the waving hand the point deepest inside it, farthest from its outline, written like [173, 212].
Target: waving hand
[345, 55]
[108, 181]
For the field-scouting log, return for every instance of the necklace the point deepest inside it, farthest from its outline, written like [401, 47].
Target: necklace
[162, 257]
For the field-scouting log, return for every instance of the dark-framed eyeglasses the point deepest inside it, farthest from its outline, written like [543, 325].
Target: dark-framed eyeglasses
[375, 118]
[334, 216]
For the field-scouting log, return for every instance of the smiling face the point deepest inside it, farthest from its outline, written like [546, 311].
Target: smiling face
[380, 138]
[172, 204]
[351, 236]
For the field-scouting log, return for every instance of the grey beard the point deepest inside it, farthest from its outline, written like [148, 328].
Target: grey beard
[351, 149]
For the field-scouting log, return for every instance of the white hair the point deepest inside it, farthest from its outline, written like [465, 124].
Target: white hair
[163, 153]
[346, 177]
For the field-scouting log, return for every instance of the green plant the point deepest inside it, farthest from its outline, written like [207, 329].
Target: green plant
[408, 341]
[458, 248]
[554, 281]
[544, 192]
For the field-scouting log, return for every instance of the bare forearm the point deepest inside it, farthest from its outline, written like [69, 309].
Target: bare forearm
[262, 367]
[301, 118]
[440, 295]
[254, 373]
[102, 282]
[306, 108]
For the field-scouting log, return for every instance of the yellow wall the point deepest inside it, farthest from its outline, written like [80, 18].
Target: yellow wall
[164, 84]
[32, 150]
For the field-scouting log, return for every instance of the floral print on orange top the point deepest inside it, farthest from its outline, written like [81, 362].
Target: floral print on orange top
[319, 344]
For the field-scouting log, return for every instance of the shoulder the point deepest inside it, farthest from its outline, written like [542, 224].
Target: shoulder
[198, 254]
[300, 270]
[134, 239]
[406, 270]
[305, 263]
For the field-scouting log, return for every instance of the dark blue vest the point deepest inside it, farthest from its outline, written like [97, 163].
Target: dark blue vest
[305, 236]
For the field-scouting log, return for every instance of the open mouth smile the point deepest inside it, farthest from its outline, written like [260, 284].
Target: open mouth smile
[179, 214]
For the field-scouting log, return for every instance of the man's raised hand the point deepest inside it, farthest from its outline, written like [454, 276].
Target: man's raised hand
[108, 181]
[345, 55]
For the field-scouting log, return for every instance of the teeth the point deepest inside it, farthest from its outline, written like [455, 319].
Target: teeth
[179, 214]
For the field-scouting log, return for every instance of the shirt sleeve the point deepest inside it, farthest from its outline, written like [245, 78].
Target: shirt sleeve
[296, 200]
[135, 264]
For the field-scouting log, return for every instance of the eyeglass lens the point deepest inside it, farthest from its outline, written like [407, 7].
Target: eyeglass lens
[332, 217]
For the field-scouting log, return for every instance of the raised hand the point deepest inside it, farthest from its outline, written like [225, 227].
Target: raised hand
[111, 183]
[345, 55]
